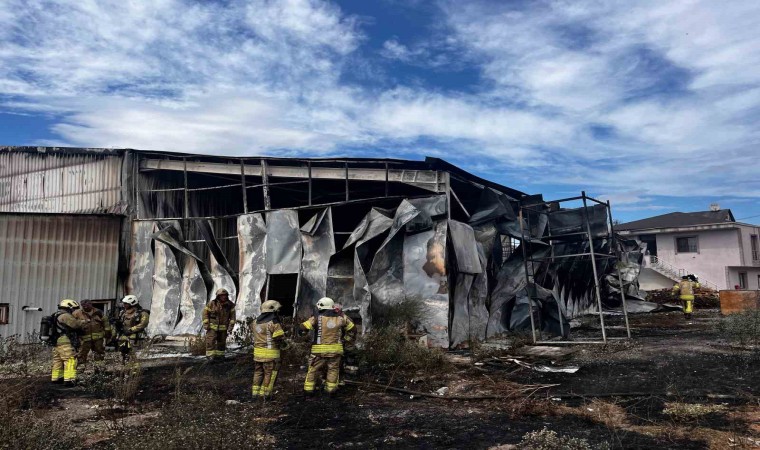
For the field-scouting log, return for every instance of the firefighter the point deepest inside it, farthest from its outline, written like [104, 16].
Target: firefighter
[130, 326]
[67, 329]
[329, 330]
[218, 318]
[95, 333]
[268, 337]
[685, 289]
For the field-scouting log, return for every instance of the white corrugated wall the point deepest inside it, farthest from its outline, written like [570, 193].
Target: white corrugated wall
[44, 258]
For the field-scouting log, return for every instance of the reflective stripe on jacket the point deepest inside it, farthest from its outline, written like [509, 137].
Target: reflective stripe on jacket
[266, 340]
[330, 331]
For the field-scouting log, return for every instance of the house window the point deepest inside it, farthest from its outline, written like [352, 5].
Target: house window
[686, 244]
[755, 247]
[5, 313]
[742, 280]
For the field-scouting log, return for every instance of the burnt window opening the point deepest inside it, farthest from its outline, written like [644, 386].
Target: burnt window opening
[282, 288]
[5, 313]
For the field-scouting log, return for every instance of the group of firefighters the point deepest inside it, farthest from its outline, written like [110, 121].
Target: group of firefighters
[76, 329]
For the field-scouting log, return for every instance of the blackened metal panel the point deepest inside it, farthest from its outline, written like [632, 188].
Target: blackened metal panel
[340, 280]
[493, 205]
[460, 314]
[426, 281]
[252, 236]
[430, 208]
[374, 224]
[478, 298]
[141, 265]
[283, 254]
[465, 248]
[572, 221]
[167, 282]
[192, 299]
[385, 276]
[510, 281]
[217, 255]
[318, 245]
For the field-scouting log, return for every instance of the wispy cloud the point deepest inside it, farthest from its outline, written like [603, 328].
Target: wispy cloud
[631, 99]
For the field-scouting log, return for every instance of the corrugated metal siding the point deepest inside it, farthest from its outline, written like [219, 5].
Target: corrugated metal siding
[59, 182]
[46, 258]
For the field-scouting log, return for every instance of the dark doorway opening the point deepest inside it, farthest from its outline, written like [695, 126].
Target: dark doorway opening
[282, 288]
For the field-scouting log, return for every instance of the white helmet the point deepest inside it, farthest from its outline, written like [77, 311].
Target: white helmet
[130, 300]
[325, 303]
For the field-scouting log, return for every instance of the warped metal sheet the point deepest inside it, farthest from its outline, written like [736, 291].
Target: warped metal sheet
[477, 299]
[465, 248]
[430, 209]
[572, 221]
[140, 281]
[493, 205]
[340, 279]
[283, 254]
[318, 245]
[385, 276]
[252, 236]
[192, 299]
[46, 258]
[460, 315]
[425, 280]
[222, 280]
[374, 224]
[217, 255]
[167, 282]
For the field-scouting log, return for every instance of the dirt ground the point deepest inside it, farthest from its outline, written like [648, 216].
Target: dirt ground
[675, 385]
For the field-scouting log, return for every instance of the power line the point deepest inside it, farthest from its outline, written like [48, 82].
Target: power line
[748, 217]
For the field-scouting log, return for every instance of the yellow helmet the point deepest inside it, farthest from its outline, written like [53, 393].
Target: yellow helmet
[222, 291]
[67, 303]
[270, 306]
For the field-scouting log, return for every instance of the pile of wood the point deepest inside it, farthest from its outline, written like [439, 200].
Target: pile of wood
[703, 297]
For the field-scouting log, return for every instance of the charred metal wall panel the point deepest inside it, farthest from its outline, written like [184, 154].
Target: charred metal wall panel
[44, 259]
[58, 182]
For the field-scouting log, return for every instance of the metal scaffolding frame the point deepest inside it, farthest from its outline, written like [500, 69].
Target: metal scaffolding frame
[583, 236]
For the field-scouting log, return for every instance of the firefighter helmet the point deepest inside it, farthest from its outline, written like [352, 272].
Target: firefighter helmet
[130, 300]
[222, 291]
[325, 303]
[270, 306]
[68, 304]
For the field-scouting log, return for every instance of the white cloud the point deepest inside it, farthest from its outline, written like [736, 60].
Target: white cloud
[674, 86]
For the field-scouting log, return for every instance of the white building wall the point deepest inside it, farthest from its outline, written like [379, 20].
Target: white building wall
[746, 233]
[753, 276]
[718, 249]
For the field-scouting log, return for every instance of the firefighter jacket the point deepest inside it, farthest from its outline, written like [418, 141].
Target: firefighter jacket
[218, 315]
[67, 325]
[267, 338]
[686, 289]
[330, 330]
[96, 326]
[133, 322]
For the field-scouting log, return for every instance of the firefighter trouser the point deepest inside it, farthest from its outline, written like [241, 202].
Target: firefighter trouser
[318, 364]
[688, 303]
[64, 363]
[216, 343]
[264, 376]
[96, 345]
[127, 348]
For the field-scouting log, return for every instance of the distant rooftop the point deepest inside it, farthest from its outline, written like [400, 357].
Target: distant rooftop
[679, 219]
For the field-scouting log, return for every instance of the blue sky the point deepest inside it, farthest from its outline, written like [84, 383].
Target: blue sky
[653, 105]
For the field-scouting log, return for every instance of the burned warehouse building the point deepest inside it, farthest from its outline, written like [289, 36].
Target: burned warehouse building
[477, 258]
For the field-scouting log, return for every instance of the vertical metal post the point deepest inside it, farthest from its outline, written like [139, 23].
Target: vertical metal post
[136, 182]
[265, 180]
[593, 266]
[386, 179]
[242, 183]
[346, 164]
[524, 244]
[551, 260]
[308, 166]
[447, 186]
[186, 213]
[266, 291]
[533, 273]
[619, 254]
